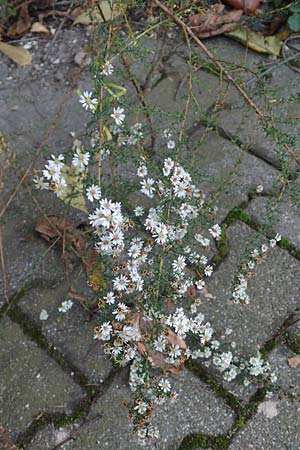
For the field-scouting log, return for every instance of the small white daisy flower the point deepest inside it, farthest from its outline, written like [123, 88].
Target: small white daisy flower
[118, 115]
[107, 68]
[88, 101]
[93, 192]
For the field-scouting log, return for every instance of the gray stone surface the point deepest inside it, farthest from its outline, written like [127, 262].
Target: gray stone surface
[273, 294]
[28, 260]
[70, 332]
[288, 377]
[30, 381]
[226, 173]
[241, 121]
[280, 432]
[285, 216]
[192, 412]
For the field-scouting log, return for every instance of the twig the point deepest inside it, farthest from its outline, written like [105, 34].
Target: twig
[101, 93]
[75, 433]
[274, 67]
[210, 56]
[7, 441]
[43, 142]
[139, 92]
[58, 30]
[189, 90]
[157, 59]
[5, 284]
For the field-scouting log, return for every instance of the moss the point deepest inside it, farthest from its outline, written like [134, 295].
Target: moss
[284, 243]
[293, 341]
[268, 347]
[237, 214]
[6, 307]
[194, 441]
[222, 245]
[34, 332]
[216, 387]
[221, 442]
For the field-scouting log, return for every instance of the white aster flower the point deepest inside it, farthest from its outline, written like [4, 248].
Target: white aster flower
[208, 270]
[179, 264]
[60, 188]
[65, 306]
[216, 231]
[168, 166]
[147, 187]
[159, 344]
[56, 161]
[93, 192]
[120, 312]
[120, 283]
[80, 160]
[40, 183]
[52, 172]
[110, 298]
[167, 133]
[88, 101]
[138, 211]
[171, 144]
[118, 115]
[107, 68]
[165, 385]
[142, 171]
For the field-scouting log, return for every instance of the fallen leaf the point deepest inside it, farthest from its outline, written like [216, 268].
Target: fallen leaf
[38, 27]
[294, 361]
[19, 55]
[22, 25]
[52, 227]
[94, 14]
[270, 45]
[268, 408]
[214, 22]
[73, 195]
[247, 6]
[157, 359]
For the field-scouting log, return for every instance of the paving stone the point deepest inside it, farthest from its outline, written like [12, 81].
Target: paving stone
[71, 332]
[285, 214]
[273, 292]
[168, 98]
[196, 410]
[288, 377]
[224, 48]
[31, 382]
[280, 432]
[226, 172]
[240, 121]
[28, 261]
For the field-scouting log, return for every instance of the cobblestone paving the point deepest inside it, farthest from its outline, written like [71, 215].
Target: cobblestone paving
[57, 389]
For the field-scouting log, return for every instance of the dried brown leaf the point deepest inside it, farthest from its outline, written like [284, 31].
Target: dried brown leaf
[247, 6]
[156, 359]
[214, 22]
[22, 25]
[51, 227]
[19, 55]
[294, 362]
[38, 27]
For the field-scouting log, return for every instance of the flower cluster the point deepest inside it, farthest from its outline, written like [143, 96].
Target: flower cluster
[247, 271]
[56, 172]
[150, 298]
